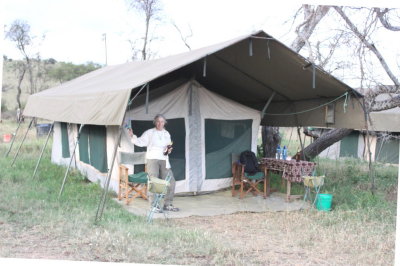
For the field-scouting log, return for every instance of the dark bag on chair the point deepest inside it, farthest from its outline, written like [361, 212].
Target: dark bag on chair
[249, 159]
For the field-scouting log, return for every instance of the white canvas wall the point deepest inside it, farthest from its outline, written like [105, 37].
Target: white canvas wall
[204, 104]
[195, 103]
[87, 170]
[332, 152]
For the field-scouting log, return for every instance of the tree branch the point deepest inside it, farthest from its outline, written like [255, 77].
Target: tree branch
[384, 20]
[370, 46]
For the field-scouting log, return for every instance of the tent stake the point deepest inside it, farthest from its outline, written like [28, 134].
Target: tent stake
[41, 153]
[70, 161]
[102, 202]
[22, 142]
[13, 139]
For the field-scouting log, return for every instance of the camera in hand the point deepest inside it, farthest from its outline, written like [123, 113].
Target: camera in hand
[167, 149]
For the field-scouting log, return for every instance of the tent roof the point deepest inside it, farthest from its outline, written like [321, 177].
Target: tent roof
[247, 69]
[385, 120]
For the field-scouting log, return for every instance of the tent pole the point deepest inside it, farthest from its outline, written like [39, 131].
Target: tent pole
[13, 139]
[301, 144]
[250, 47]
[370, 168]
[397, 243]
[70, 161]
[371, 175]
[22, 142]
[41, 153]
[205, 67]
[147, 98]
[102, 202]
[190, 99]
[267, 104]
[313, 76]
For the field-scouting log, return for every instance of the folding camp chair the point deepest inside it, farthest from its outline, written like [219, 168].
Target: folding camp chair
[310, 183]
[133, 185]
[249, 183]
[159, 188]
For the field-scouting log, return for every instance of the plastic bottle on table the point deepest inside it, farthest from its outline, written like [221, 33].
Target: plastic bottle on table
[284, 153]
[278, 152]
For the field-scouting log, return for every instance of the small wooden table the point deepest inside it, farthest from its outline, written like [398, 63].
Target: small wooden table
[292, 171]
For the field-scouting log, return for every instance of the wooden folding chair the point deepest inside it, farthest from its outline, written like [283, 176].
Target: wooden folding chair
[249, 183]
[133, 185]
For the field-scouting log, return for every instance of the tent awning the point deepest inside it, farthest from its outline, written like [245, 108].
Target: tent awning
[248, 69]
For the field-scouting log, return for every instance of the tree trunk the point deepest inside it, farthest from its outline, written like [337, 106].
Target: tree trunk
[323, 142]
[20, 79]
[144, 50]
[270, 140]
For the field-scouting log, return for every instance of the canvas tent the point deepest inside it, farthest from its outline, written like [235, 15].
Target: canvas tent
[215, 97]
[384, 127]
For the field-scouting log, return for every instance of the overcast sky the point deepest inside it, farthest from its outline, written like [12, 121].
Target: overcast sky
[73, 29]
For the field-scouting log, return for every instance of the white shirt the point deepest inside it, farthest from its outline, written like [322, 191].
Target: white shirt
[156, 142]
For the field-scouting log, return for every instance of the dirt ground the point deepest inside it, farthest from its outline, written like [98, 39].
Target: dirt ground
[293, 238]
[259, 238]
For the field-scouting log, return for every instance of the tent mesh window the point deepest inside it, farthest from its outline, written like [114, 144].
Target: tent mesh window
[98, 147]
[64, 140]
[387, 151]
[84, 144]
[222, 138]
[93, 147]
[349, 145]
[176, 128]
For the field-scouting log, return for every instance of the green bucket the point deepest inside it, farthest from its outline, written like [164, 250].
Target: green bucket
[324, 202]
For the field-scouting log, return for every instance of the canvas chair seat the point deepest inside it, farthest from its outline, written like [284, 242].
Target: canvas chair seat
[139, 178]
[256, 176]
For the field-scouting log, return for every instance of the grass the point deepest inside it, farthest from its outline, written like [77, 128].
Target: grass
[359, 230]
[32, 206]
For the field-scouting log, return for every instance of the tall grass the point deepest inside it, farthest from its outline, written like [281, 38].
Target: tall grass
[359, 230]
[32, 205]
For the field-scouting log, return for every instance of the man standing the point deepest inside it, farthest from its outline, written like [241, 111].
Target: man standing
[158, 143]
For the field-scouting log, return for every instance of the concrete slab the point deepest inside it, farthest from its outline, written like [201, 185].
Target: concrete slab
[218, 203]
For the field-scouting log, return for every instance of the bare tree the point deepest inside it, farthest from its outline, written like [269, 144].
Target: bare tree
[19, 33]
[364, 46]
[151, 10]
[184, 38]
[382, 14]
[312, 16]
[20, 70]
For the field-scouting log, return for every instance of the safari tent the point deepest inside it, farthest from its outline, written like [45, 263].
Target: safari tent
[214, 98]
[384, 131]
